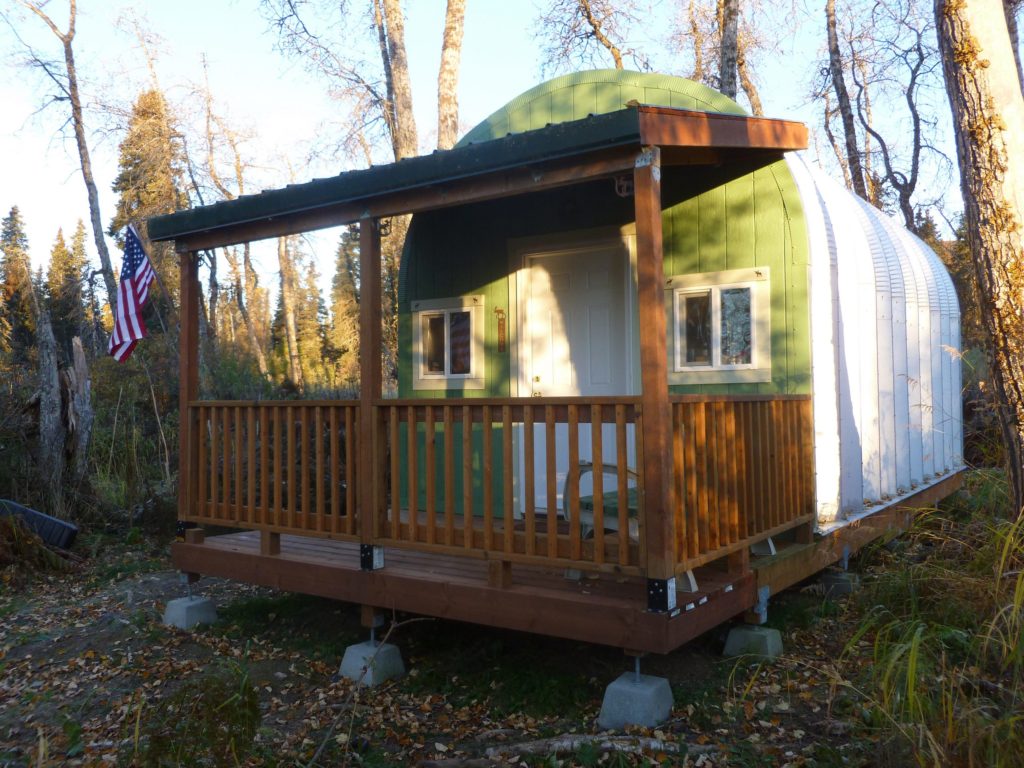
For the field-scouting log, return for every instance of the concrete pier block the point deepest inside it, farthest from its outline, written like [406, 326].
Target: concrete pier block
[840, 583]
[372, 663]
[748, 640]
[187, 612]
[634, 699]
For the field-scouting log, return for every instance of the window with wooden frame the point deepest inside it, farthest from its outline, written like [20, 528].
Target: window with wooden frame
[448, 343]
[719, 327]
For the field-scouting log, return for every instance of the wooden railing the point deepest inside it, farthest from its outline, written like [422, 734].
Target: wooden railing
[743, 470]
[500, 478]
[284, 466]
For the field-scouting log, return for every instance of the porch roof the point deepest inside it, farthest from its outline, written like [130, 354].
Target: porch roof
[559, 154]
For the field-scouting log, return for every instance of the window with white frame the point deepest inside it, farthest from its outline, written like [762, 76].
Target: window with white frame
[448, 343]
[719, 327]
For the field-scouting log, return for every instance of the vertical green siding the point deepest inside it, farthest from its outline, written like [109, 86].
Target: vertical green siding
[715, 218]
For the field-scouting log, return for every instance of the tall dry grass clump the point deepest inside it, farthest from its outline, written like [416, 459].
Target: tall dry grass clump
[944, 616]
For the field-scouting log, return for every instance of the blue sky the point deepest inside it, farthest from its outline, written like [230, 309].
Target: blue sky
[272, 98]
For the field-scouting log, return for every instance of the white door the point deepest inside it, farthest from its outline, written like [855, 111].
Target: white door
[574, 326]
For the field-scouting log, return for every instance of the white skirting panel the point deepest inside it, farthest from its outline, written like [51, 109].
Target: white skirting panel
[885, 353]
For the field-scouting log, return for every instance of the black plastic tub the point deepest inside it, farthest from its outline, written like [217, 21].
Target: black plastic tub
[56, 533]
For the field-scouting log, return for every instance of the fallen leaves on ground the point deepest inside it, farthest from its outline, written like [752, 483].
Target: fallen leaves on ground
[85, 659]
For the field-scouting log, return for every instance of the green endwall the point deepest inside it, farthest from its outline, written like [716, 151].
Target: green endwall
[715, 218]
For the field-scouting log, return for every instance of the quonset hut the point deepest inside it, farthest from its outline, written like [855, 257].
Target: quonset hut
[638, 338]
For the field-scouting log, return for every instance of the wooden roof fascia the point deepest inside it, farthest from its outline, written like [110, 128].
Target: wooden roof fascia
[666, 127]
[505, 183]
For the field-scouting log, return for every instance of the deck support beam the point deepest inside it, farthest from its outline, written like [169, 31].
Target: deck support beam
[659, 519]
[370, 379]
[188, 380]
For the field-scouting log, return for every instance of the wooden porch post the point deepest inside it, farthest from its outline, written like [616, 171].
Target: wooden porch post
[659, 517]
[370, 385]
[188, 380]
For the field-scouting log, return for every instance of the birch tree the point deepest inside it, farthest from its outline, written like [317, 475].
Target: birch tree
[729, 16]
[587, 33]
[448, 75]
[67, 85]
[844, 106]
[716, 31]
[984, 90]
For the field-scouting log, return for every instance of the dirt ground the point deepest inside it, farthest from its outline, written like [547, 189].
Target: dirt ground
[89, 675]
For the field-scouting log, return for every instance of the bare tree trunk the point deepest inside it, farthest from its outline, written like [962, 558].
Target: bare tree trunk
[448, 76]
[80, 415]
[250, 329]
[288, 291]
[78, 123]
[988, 112]
[697, 35]
[729, 13]
[50, 455]
[404, 138]
[746, 81]
[835, 60]
[212, 328]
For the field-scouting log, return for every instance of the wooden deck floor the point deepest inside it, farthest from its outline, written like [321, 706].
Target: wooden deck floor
[607, 610]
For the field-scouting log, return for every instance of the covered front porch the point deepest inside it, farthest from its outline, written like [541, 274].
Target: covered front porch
[472, 508]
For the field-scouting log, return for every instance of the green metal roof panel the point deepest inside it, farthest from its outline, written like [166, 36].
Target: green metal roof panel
[575, 96]
[550, 143]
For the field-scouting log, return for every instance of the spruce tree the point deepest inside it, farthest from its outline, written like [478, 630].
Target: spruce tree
[64, 293]
[18, 324]
[343, 338]
[149, 179]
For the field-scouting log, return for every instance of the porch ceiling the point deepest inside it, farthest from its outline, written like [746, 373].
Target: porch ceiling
[557, 155]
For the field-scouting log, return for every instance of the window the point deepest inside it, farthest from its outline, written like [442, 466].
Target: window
[448, 348]
[719, 327]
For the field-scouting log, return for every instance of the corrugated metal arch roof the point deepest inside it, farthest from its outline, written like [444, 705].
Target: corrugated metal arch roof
[577, 95]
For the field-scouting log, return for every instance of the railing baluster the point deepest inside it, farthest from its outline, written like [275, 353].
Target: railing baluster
[597, 493]
[305, 466]
[735, 494]
[690, 469]
[335, 486]
[396, 480]
[573, 489]
[225, 509]
[264, 465]
[351, 436]
[318, 480]
[529, 480]
[203, 462]
[702, 452]
[622, 479]
[293, 486]
[239, 508]
[486, 479]
[467, 477]
[551, 470]
[429, 469]
[411, 438]
[449, 476]
[679, 480]
[508, 526]
[250, 437]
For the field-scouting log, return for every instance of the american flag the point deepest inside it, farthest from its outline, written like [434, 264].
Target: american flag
[136, 276]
